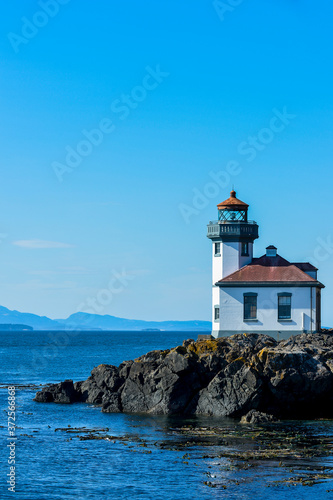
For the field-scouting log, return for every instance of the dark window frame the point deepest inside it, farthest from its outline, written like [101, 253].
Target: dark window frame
[245, 249]
[250, 306]
[284, 310]
[217, 254]
[216, 313]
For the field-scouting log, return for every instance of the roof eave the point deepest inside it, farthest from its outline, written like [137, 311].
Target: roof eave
[229, 284]
[239, 204]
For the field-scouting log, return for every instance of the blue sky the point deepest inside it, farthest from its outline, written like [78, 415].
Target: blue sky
[197, 87]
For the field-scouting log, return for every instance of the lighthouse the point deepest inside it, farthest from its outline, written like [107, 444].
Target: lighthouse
[268, 294]
[232, 236]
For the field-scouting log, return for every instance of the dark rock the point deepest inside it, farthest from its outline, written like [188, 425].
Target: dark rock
[161, 382]
[112, 404]
[221, 377]
[187, 342]
[124, 368]
[298, 383]
[104, 381]
[233, 390]
[257, 417]
[63, 393]
[44, 396]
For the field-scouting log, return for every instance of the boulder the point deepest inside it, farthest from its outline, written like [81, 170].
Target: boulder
[162, 382]
[234, 390]
[63, 393]
[103, 382]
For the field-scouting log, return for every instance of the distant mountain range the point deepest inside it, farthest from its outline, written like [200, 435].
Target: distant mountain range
[85, 321]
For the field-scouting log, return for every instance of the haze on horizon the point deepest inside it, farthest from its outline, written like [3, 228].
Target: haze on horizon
[175, 104]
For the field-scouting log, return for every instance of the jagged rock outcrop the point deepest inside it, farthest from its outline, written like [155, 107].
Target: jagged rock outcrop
[222, 377]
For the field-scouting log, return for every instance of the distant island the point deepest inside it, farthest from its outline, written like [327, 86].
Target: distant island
[85, 321]
[150, 330]
[15, 328]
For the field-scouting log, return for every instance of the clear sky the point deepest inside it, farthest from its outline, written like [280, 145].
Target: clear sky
[176, 93]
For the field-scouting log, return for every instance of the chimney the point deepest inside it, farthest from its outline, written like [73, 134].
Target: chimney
[271, 251]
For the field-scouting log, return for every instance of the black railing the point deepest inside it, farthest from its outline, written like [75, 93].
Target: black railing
[222, 228]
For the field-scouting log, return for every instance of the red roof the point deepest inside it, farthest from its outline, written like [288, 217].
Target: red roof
[232, 202]
[270, 269]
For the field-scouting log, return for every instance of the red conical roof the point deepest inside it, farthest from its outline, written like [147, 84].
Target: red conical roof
[232, 202]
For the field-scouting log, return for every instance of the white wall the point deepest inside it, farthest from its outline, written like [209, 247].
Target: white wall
[215, 302]
[230, 254]
[231, 310]
[245, 260]
[217, 263]
[230, 260]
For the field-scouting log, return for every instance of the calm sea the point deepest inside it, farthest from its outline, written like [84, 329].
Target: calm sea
[150, 460]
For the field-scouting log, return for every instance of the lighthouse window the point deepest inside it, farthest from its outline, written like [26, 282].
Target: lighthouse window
[284, 306]
[245, 249]
[250, 306]
[217, 249]
[216, 313]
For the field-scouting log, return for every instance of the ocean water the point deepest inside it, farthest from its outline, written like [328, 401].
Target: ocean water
[139, 456]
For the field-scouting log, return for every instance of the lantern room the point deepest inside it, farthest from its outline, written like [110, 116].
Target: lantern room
[232, 209]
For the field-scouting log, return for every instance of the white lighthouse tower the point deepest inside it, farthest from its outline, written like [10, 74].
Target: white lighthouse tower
[232, 237]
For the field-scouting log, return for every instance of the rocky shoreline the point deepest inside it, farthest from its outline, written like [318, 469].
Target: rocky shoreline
[225, 377]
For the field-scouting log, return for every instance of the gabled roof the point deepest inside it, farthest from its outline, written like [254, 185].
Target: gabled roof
[270, 270]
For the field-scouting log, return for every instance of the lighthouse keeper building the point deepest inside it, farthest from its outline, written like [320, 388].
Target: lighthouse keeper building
[268, 295]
